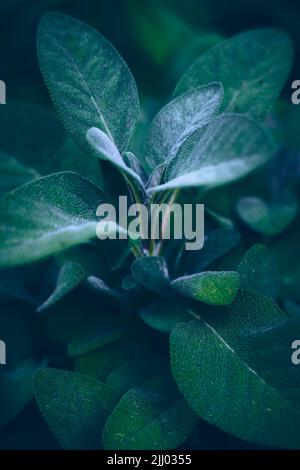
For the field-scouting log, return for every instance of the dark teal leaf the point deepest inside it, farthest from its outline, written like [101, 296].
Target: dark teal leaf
[13, 173]
[69, 277]
[148, 417]
[216, 244]
[98, 285]
[162, 315]
[16, 390]
[152, 272]
[258, 272]
[252, 81]
[105, 329]
[268, 218]
[75, 406]
[235, 370]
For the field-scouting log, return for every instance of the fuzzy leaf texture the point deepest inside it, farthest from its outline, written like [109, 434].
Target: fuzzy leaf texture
[252, 67]
[228, 148]
[75, 406]
[214, 288]
[46, 216]
[179, 119]
[147, 417]
[85, 75]
[234, 368]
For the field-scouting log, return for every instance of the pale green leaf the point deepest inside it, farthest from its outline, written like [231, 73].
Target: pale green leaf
[46, 216]
[178, 120]
[227, 149]
[211, 287]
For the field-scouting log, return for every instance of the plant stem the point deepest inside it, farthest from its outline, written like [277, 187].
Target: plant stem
[171, 201]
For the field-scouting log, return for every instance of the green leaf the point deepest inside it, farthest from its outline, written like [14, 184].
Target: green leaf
[148, 417]
[178, 120]
[85, 75]
[105, 329]
[69, 277]
[13, 174]
[235, 370]
[258, 271]
[16, 390]
[152, 272]
[46, 216]
[215, 288]
[133, 162]
[228, 148]
[252, 81]
[269, 218]
[162, 315]
[99, 286]
[216, 244]
[74, 406]
[105, 149]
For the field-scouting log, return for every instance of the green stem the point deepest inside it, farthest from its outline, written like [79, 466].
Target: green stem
[171, 201]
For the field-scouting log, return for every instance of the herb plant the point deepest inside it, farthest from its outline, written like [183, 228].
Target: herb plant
[148, 345]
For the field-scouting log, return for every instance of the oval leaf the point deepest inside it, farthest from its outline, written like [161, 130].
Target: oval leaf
[147, 418]
[69, 277]
[46, 216]
[215, 288]
[85, 75]
[235, 370]
[152, 272]
[179, 119]
[75, 406]
[227, 149]
[252, 81]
